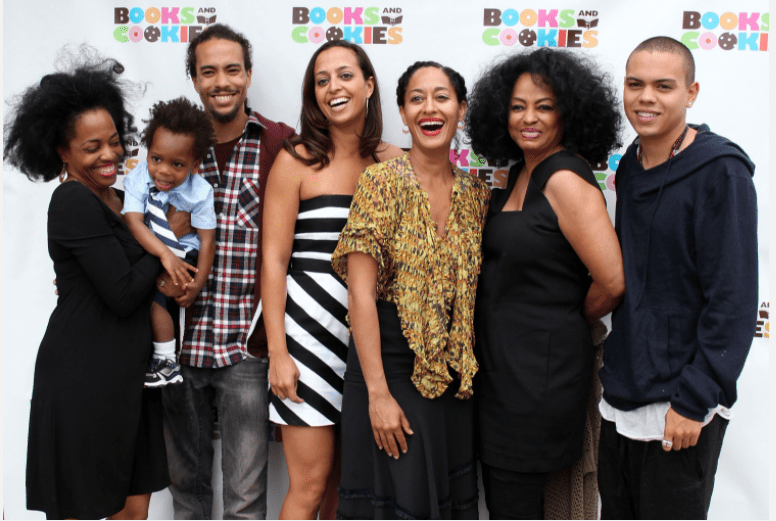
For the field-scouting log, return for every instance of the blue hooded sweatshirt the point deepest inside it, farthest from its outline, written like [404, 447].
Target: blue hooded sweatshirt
[688, 232]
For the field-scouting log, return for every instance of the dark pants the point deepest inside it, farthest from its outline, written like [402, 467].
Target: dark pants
[639, 480]
[513, 495]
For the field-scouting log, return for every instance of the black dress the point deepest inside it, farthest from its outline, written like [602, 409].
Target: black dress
[437, 477]
[533, 344]
[95, 435]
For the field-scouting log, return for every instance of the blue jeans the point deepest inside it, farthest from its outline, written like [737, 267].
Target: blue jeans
[239, 392]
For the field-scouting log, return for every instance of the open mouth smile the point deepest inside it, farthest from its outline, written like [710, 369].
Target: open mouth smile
[107, 170]
[431, 126]
[530, 133]
[338, 104]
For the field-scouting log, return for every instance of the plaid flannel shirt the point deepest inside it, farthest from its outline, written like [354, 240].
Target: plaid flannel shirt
[224, 308]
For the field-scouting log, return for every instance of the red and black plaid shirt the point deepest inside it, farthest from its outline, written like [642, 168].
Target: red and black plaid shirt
[223, 310]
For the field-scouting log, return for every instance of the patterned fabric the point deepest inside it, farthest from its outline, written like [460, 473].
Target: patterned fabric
[194, 195]
[156, 220]
[316, 307]
[224, 308]
[431, 279]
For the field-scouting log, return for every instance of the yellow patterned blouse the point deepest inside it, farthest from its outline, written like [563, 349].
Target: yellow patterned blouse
[431, 279]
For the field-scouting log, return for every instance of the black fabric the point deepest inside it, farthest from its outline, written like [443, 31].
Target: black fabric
[533, 343]
[688, 232]
[437, 477]
[95, 436]
[639, 480]
[514, 495]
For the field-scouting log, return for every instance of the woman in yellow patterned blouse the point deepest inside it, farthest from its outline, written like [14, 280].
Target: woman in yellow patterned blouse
[410, 254]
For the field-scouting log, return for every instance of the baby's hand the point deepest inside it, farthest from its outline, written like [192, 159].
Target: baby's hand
[178, 270]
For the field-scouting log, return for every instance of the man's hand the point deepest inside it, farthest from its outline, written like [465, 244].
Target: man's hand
[682, 432]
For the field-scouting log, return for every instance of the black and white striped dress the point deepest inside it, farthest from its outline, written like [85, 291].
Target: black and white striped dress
[316, 331]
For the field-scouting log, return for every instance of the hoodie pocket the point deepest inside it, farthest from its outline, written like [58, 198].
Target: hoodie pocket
[653, 330]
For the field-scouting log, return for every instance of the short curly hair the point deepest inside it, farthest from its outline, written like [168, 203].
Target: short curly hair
[42, 119]
[217, 32]
[181, 116]
[586, 101]
[456, 80]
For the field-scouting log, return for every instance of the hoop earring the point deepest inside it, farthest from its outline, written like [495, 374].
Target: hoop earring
[461, 125]
[405, 129]
[63, 173]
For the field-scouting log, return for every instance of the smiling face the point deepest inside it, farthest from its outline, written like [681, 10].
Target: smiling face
[534, 122]
[340, 87]
[93, 154]
[431, 109]
[170, 159]
[221, 81]
[656, 95]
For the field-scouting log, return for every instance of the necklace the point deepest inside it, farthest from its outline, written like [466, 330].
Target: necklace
[674, 147]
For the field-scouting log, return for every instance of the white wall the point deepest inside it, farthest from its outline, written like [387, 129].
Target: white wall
[733, 101]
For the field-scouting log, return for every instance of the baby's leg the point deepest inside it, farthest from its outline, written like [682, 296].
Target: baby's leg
[161, 324]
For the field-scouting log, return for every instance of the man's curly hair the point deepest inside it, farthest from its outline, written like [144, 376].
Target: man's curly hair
[181, 116]
[42, 119]
[585, 99]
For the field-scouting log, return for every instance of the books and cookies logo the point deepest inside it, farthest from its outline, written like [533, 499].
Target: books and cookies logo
[728, 31]
[763, 329]
[361, 25]
[161, 24]
[541, 27]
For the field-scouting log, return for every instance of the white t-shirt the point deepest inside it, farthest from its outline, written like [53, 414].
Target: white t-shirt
[648, 423]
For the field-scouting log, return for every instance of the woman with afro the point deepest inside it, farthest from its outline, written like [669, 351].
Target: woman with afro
[551, 266]
[95, 445]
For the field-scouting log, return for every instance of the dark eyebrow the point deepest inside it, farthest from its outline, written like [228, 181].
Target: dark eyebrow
[338, 69]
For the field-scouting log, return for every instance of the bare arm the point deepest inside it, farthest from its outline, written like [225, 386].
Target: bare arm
[178, 270]
[281, 206]
[207, 251]
[585, 223]
[389, 424]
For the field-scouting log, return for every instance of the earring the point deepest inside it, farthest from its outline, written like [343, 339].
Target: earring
[367, 105]
[63, 173]
[405, 129]
[461, 125]
[689, 104]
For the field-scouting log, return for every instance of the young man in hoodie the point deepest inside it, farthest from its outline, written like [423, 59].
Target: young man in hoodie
[686, 217]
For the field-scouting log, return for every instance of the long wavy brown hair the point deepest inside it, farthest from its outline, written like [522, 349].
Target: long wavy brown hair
[314, 134]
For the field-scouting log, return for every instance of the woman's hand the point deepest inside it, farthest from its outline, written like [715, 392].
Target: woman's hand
[165, 285]
[180, 222]
[389, 424]
[283, 376]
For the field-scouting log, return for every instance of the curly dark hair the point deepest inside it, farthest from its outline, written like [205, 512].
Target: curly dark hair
[42, 119]
[456, 80]
[181, 116]
[586, 101]
[219, 32]
[314, 133]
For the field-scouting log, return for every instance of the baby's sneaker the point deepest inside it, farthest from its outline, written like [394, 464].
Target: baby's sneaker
[161, 372]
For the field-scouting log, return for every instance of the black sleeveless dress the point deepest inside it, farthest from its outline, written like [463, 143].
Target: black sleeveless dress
[533, 344]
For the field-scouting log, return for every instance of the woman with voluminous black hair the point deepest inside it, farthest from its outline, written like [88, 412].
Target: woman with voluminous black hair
[551, 267]
[95, 444]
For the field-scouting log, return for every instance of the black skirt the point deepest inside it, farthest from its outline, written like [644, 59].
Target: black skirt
[437, 477]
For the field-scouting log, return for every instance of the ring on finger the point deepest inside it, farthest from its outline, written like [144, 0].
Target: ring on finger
[668, 444]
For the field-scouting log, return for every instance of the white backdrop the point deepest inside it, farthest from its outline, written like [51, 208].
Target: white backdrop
[729, 41]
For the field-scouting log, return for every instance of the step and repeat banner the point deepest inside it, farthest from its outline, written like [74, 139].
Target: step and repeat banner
[729, 40]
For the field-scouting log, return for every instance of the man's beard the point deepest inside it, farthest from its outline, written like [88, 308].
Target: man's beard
[228, 117]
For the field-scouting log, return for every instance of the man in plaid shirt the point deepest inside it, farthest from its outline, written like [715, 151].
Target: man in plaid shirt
[221, 366]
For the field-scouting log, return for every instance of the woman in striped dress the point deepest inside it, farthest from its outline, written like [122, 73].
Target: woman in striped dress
[304, 303]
